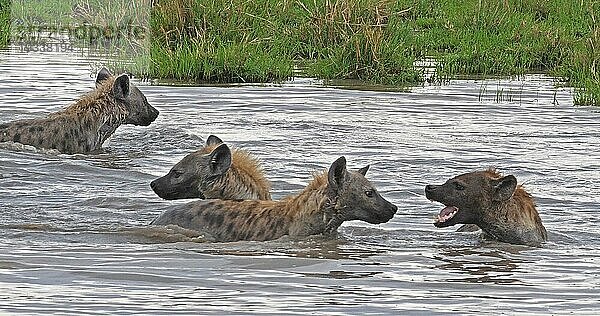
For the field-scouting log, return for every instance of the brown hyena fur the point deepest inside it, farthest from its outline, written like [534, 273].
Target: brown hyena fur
[214, 172]
[84, 126]
[329, 200]
[495, 203]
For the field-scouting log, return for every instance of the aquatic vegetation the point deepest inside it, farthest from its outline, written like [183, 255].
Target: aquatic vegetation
[377, 41]
[514, 37]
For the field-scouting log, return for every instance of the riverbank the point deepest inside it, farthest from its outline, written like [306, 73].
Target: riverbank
[395, 43]
[377, 41]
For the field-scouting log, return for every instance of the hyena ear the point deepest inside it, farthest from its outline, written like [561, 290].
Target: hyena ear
[103, 74]
[121, 87]
[364, 170]
[504, 188]
[337, 173]
[213, 140]
[220, 160]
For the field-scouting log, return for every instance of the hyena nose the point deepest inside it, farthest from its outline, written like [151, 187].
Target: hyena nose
[152, 115]
[153, 185]
[155, 113]
[429, 188]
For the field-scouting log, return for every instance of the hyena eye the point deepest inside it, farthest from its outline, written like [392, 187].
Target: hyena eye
[369, 193]
[176, 173]
[459, 186]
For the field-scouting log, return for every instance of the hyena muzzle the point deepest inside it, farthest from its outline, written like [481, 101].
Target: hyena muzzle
[214, 172]
[495, 203]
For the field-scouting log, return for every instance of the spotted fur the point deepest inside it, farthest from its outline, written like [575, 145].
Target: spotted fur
[329, 200]
[84, 126]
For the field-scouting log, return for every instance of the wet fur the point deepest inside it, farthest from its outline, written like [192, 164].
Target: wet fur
[319, 209]
[245, 179]
[227, 220]
[514, 220]
[517, 220]
[215, 172]
[80, 128]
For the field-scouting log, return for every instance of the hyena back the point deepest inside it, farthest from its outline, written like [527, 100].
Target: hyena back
[330, 199]
[84, 126]
[497, 204]
[214, 172]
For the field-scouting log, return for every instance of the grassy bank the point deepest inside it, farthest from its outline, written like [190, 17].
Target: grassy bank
[4, 22]
[238, 41]
[377, 41]
[115, 31]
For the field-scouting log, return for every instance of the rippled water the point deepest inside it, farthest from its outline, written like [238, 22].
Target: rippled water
[73, 235]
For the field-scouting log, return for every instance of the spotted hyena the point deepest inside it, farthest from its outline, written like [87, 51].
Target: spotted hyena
[495, 203]
[214, 172]
[332, 198]
[83, 126]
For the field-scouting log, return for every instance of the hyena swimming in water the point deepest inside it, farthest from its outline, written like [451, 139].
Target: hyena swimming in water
[329, 200]
[214, 172]
[500, 207]
[84, 126]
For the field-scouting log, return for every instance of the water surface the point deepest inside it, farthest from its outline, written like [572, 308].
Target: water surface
[73, 235]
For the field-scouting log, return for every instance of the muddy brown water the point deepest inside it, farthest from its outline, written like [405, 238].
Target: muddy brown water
[74, 240]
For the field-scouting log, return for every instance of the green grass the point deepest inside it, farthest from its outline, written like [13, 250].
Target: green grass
[515, 37]
[242, 41]
[374, 41]
[377, 41]
[115, 30]
[42, 11]
[4, 22]
[67, 13]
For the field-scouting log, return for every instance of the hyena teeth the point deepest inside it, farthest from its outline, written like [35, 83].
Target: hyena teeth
[504, 209]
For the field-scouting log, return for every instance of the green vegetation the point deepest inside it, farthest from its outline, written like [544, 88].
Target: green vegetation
[41, 11]
[559, 37]
[244, 41]
[72, 13]
[115, 30]
[4, 22]
[377, 41]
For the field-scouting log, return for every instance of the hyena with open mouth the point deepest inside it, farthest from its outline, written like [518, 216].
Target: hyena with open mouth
[495, 203]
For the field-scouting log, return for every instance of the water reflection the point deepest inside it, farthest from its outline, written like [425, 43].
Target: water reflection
[341, 274]
[313, 247]
[495, 263]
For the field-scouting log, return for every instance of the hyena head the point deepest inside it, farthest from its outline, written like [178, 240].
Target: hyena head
[468, 197]
[140, 112]
[355, 197]
[195, 173]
